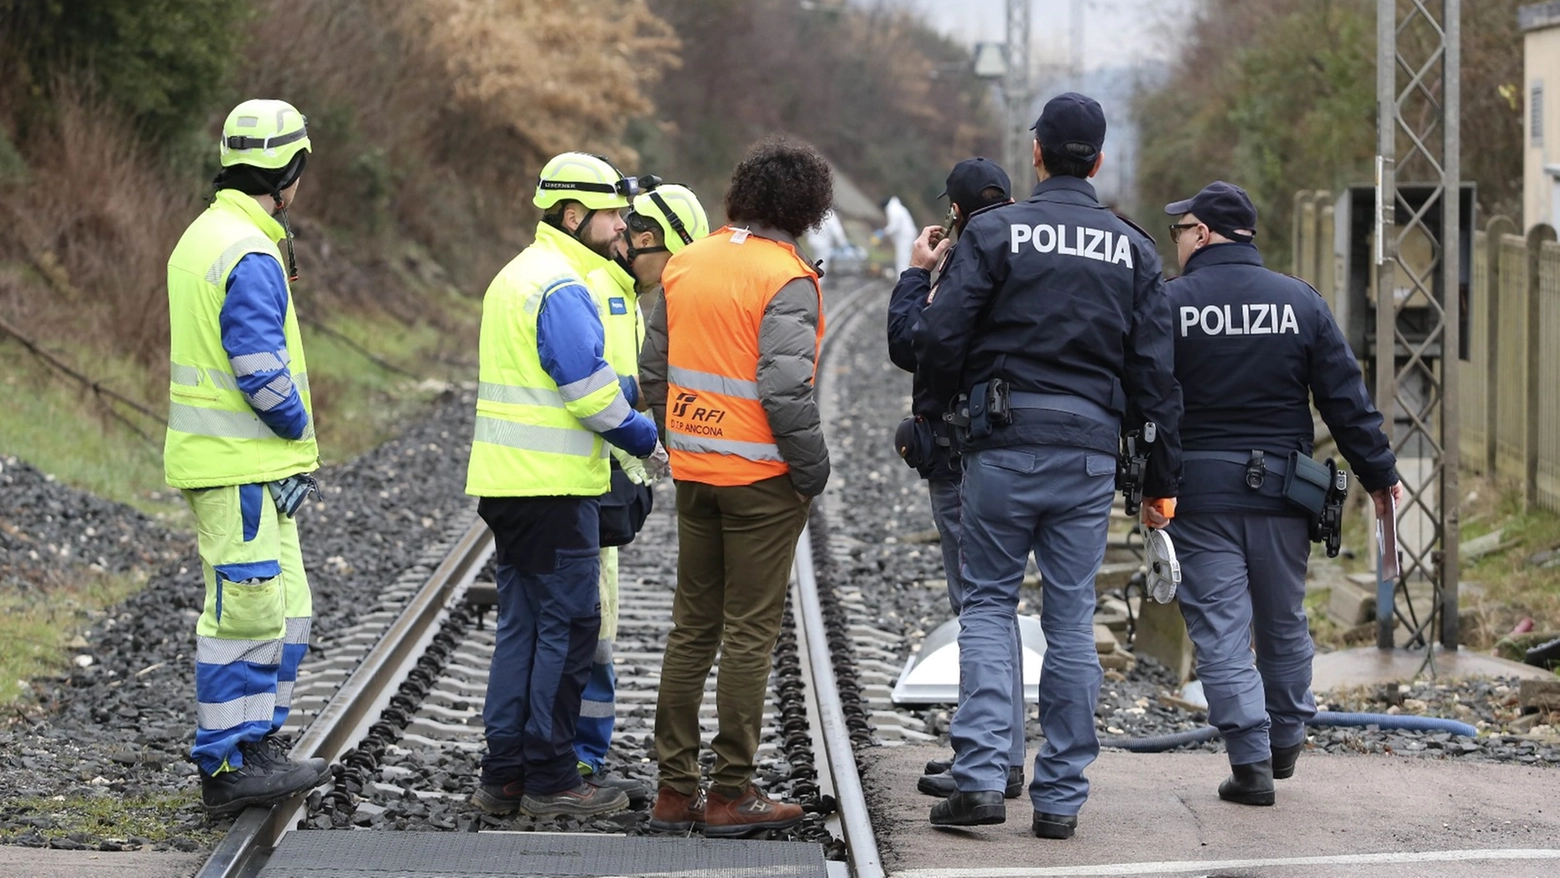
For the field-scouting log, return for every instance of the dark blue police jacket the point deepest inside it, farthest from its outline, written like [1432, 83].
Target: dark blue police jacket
[1252, 349]
[1058, 295]
[905, 305]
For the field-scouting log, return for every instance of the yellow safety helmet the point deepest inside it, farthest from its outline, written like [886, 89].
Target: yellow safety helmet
[675, 210]
[263, 133]
[589, 179]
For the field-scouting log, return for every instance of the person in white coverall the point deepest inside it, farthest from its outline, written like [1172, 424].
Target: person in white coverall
[826, 238]
[900, 229]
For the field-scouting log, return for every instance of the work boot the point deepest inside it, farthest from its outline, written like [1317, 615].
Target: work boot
[980, 808]
[1249, 784]
[638, 794]
[274, 749]
[266, 777]
[1058, 826]
[1284, 759]
[735, 817]
[585, 800]
[677, 812]
[941, 785]
[499, 798]
[938, 766]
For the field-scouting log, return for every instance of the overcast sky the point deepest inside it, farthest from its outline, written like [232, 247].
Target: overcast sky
[1115, 32]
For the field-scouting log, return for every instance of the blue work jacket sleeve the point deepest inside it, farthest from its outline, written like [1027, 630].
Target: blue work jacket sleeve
[904, 311]
[571, 343]
[942, 338]
[253, 321]
[1153, 393]
[1338, 389]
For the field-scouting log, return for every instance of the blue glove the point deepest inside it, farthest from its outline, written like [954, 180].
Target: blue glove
[289, 493]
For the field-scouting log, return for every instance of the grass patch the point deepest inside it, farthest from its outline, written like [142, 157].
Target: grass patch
[359, 403]
[35, 624]
[139, 819]
[1512, 585]
[1496, 591]
[58, 426]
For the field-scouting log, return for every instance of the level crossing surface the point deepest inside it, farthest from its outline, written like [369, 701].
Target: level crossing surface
[1159, 814]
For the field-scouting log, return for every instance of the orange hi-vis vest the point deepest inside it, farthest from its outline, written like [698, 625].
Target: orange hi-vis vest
[716, 290]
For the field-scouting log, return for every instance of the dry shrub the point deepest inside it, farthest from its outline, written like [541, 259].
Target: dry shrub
[431, 118]
[94, 218]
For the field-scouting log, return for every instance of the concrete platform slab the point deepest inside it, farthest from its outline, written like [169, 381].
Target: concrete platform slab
[1159, 814]
[21, 862]
[1368, 665]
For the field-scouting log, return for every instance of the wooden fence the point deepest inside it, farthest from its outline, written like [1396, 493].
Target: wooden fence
[1509, 383]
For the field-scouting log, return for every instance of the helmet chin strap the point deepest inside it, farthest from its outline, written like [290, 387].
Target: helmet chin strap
[634, 252]
[627, 264]
[280, 212]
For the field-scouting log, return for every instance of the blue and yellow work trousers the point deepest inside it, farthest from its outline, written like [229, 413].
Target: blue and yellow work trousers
[254, 629]
[598, 704]
[549, 618]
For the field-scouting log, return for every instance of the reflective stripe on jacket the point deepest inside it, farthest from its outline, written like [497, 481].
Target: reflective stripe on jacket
[716, 293]
[534, 438]
[214, 436]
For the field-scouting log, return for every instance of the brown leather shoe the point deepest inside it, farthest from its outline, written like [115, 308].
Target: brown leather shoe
[746, 814]
[677, 812]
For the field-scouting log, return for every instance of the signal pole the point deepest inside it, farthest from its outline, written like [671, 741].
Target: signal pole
[1015, 88]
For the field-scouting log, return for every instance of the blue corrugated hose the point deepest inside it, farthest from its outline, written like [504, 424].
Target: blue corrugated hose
[1406, 722]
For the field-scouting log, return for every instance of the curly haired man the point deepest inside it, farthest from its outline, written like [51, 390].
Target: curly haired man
[748, 455]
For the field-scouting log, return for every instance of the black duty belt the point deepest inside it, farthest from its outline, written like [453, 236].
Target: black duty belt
[1066, 403]
[1258, 464]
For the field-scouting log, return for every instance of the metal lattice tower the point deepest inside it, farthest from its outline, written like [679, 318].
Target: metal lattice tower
[1015, 88]
[1075, 43]
[1419, 101]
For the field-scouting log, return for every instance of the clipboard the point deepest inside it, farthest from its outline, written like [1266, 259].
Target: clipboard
[1389, 564]
[1388, 569]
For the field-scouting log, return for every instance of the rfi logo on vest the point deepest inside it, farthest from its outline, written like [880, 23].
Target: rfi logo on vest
[1259, 318]
[1086, 243]
[708, 416]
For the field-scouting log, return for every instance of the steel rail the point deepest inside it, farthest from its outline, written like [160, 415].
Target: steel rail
[855, 821]
[357, 704]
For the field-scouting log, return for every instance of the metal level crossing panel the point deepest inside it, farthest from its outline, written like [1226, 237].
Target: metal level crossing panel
[368, 854]
[1418, 270]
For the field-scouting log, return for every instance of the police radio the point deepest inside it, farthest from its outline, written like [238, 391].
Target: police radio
[1327, 528]
[1132, 466]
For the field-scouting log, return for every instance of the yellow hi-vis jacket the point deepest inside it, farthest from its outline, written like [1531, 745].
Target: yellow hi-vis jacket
[533, 439]
[613, 289]
[214, 436]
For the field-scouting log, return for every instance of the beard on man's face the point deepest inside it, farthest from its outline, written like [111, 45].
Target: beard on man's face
[599, 238]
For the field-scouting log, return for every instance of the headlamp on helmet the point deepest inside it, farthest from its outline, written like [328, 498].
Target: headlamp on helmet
[588, 179]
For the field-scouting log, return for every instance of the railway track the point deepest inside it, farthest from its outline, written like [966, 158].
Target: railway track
[394, 702]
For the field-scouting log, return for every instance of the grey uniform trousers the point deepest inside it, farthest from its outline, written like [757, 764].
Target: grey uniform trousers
[1053, 501]
[1243, 586]
[946, 510]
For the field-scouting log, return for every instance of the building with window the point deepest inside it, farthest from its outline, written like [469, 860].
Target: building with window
[1541, 117]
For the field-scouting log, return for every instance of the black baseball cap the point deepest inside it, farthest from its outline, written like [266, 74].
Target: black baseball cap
[1223, 207]
[970, 178]
[1071, 119]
